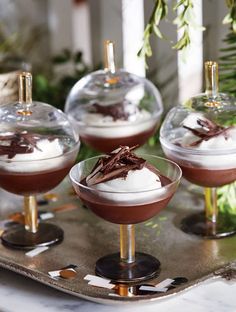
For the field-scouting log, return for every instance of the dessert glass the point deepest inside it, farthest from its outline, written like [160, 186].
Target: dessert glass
[200, 136]
[113, 107]
[127, 209]
[38, 146]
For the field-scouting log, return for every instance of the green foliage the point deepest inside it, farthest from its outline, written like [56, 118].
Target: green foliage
[50, 89]
[17, 44]
[227, 65]
[159, 12]
[230, 18]
[227, 198]
[184, 20]
[86, 152]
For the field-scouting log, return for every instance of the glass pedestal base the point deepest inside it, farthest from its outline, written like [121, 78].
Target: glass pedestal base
[18, 238]
[197, 224]
[111, 267]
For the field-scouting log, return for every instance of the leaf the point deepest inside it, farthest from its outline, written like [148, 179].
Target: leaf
[227, 19]
[183, 42]
[63, 57]
[157, 31]
[159, 12]
[178, 4]
[78, 57]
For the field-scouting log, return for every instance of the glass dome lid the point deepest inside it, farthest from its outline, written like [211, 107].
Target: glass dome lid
[33, 130]
[204, 124]
[113, 97]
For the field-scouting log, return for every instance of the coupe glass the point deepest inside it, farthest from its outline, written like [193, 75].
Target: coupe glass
[38, 146]
[127, 209]
[113, 107]
[209, 165]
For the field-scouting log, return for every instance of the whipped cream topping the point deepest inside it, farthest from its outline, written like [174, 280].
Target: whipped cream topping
[45, 149]
[124, 177]
[224, 141]
[104, 126]
[221, 141]
[136, 181]
[44, 156]
[145, 185]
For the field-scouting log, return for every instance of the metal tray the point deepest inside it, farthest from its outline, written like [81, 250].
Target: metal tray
[87, 238]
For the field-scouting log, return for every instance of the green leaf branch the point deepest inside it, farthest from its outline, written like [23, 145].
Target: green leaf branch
[230, 18]
[184, 21]
[159, 12]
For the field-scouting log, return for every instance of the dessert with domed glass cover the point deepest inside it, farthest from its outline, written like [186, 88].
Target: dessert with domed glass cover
[38, 146]
[112, 107]
[201, 137]
[124, 188]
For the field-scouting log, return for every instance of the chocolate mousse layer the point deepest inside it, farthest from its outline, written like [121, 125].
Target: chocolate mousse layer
[30, 183]
[120, 213]
[209, 178]
[107, 145]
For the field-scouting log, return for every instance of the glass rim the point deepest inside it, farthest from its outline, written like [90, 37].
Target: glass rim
[128, 192]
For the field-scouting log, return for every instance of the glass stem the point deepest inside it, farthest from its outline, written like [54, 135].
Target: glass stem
[211, 79]
[31, 214]
[25, 93]
[211, 204]
[127, 243]
[109, 58]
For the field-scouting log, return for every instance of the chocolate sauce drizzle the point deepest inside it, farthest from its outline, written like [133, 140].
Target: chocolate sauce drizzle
[208, 131]
[116, 165]
[117, 111]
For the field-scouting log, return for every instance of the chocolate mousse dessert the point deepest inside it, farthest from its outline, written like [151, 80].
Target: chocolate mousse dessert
[38, 145]
[108, 121]
[204, 135]
[124, 188]
[33, 163]
[200, 136]
[113, 107]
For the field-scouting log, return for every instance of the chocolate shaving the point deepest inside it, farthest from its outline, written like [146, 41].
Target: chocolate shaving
[19, 143]
[116, 165]
[117, 111]
[208, 131]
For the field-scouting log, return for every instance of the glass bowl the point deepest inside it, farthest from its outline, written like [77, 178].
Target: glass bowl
[114, 108]
[127, 208]
[38, 146]
[200, 136]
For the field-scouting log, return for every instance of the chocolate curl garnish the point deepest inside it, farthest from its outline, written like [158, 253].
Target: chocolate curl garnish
[208, 131]
[20, 143]
[11, 151]
[116, 111]
[115, 165]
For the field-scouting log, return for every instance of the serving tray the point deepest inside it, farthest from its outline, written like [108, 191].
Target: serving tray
[88, 237]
